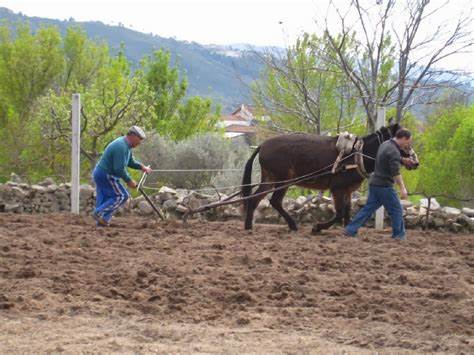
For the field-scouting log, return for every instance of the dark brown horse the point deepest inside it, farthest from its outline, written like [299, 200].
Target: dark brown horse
[291, 156]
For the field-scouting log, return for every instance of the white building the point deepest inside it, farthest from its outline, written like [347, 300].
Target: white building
[239, 123]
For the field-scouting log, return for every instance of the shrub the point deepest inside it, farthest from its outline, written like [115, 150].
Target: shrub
[204, 151]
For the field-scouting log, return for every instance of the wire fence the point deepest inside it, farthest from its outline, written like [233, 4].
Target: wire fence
[34, 180]
[233, 188]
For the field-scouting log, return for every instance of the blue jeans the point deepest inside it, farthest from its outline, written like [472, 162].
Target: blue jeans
[380, 196]
[110, 194]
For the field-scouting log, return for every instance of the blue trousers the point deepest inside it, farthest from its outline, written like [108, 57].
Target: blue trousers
[380, 196]
[110, 194]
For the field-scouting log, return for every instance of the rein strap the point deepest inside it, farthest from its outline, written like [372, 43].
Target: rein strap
[359, 159]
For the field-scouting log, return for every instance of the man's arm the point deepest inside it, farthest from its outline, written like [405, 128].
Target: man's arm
[403, 190]
[135, 164]
[394, 166]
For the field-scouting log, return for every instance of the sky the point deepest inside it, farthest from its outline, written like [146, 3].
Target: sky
[256, 22]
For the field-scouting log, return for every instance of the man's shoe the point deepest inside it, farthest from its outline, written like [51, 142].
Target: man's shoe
[398, 238]
[347, 234]
[101, 222]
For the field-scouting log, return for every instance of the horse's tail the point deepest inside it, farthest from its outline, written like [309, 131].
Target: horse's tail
[247, 179]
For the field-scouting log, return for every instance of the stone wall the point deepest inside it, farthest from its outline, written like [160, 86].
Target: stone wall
[44, 197]
[49, 197]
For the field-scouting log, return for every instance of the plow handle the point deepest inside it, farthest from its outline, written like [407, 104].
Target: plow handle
[147, 198]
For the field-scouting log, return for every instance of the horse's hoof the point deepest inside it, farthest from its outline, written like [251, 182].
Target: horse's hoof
[315, 230]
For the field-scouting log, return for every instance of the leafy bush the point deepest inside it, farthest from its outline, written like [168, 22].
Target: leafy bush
[445, 152]
[205, 151]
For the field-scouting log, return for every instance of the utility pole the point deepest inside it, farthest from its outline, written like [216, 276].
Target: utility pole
[75, 152]
[379, 124]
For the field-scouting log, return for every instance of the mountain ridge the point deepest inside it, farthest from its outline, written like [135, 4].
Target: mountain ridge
[220, 72]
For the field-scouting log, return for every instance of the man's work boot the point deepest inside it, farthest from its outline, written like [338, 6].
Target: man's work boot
[101, 222]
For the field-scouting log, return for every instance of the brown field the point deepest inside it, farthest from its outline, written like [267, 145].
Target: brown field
[148, 287]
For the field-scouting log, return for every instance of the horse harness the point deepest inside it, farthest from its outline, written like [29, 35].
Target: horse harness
[359, 159]
[357, 148]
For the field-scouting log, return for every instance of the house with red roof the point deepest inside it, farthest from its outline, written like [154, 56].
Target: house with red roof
[240, 123]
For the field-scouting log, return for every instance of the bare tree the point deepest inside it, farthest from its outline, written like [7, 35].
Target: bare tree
[305, 87]
[417, 59]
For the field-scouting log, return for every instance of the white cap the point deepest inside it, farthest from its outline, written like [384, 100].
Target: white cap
[137, 131]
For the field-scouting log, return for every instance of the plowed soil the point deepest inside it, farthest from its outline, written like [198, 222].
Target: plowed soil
[143, 286]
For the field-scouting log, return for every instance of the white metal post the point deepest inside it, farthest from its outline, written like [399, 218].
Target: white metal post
[75, 152]
[380, 212]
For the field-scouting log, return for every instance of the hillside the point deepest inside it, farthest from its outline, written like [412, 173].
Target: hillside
[212, 71]
[222, 73]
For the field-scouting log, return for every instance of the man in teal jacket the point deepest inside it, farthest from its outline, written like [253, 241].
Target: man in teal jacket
[112, 167]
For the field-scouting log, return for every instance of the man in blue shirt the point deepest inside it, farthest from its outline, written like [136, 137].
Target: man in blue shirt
[112, 166]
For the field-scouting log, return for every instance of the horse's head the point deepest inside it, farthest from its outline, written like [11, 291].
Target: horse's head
[389, 131]
[373, 141]
[409, 158]
[382, 134]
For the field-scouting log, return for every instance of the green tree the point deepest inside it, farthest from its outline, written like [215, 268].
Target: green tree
[83, 59]
[113, 101]
[40, 71]
[176, 116]
[194, 117]
[29, 65]
[446, 153]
